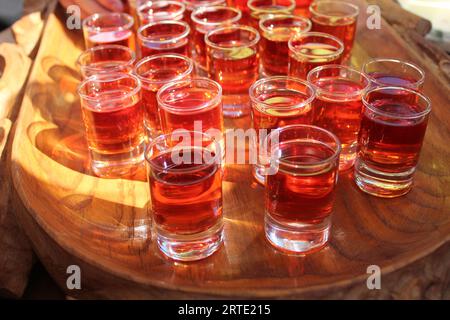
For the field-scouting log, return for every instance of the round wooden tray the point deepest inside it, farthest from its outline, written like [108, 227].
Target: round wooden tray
[103, 225]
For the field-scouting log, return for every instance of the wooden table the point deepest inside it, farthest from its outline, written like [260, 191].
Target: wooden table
[100, 225]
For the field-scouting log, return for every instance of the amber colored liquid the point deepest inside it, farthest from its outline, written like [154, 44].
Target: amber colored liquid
[302, 8]
[345, 31]
[391, 145]
[235, 70]
[123, 38]
[115, 128]
[305, 196]
[199, 47]
[210, 117]
[160, 12]
[394, 80]
[319, 54]
[340, 115]
[158, 33]
[186, 198]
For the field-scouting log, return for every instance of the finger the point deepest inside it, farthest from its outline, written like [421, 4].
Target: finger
[113, 5]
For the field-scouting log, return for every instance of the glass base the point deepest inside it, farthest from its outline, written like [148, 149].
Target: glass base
[298, 238]
[117, 165]
[236, 106]
[190, 247]
[258, 174]
[382, 184]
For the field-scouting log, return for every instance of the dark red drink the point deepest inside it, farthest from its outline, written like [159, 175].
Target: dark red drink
[392, 131]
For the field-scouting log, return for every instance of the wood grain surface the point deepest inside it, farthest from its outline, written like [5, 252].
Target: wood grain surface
[103, 225]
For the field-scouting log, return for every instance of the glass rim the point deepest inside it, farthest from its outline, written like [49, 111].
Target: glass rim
[89, 51]
[314, 12]
[126, 26]
[251, 43]
[212, 9]
[164, 137]
[293, 164]
[163, 55]
[109, 77]
[149, 4]
[359, 92]
[182, 35]
[183, 82]
[409, 64]
[269, 11]
[424, 98]
[315, 34]
[191, 5]
[283, 16]
[262, 81]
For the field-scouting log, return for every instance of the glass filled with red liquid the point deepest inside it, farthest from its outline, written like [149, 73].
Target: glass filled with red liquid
[337, 18]
[393, 127]
[338, 106]
[313, 49]
[164, 37]
[276, 30]
[154, 72]
[302, 8]
[191, 5]
[277, 102]
[192, 104]
[233, 61]
[393, 72]
[109, 28]
[113, 119]
[109, 58]
[154, 11]
[241, 5]
[300, 189]
[261, 8]
[205, 19]
[185, 178]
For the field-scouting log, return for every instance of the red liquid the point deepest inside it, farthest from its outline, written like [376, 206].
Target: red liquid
[340, 115]
[302, 8]
[210, 117]
[308, 198]
[265, 7]
[123, 38]
[394, 80]
[117, 127]
[274, 45]
[319, 54]
[152, 40]
[159, 11]
[106, 60]
[391, 145]
[185, 202]
[345, 31]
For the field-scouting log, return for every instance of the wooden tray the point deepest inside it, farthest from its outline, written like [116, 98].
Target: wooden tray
[101, 225]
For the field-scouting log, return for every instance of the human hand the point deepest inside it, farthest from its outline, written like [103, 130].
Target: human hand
[88, 7]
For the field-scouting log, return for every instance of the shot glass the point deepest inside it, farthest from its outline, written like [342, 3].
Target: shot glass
[393, 72]
[300, 190]
[260, 8]
[186, 195]
[392, 131]
[193, 104]
[313, 49]
[109, 58]
[233, 61]
[276, 30]
[154, 72]
[113, 119]
[109, 28]
[338, 106]
[154, 11]
[205, 19]
[191, 5]
[277, 102]
[302, 8]
[337, 18]
[164, 37]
